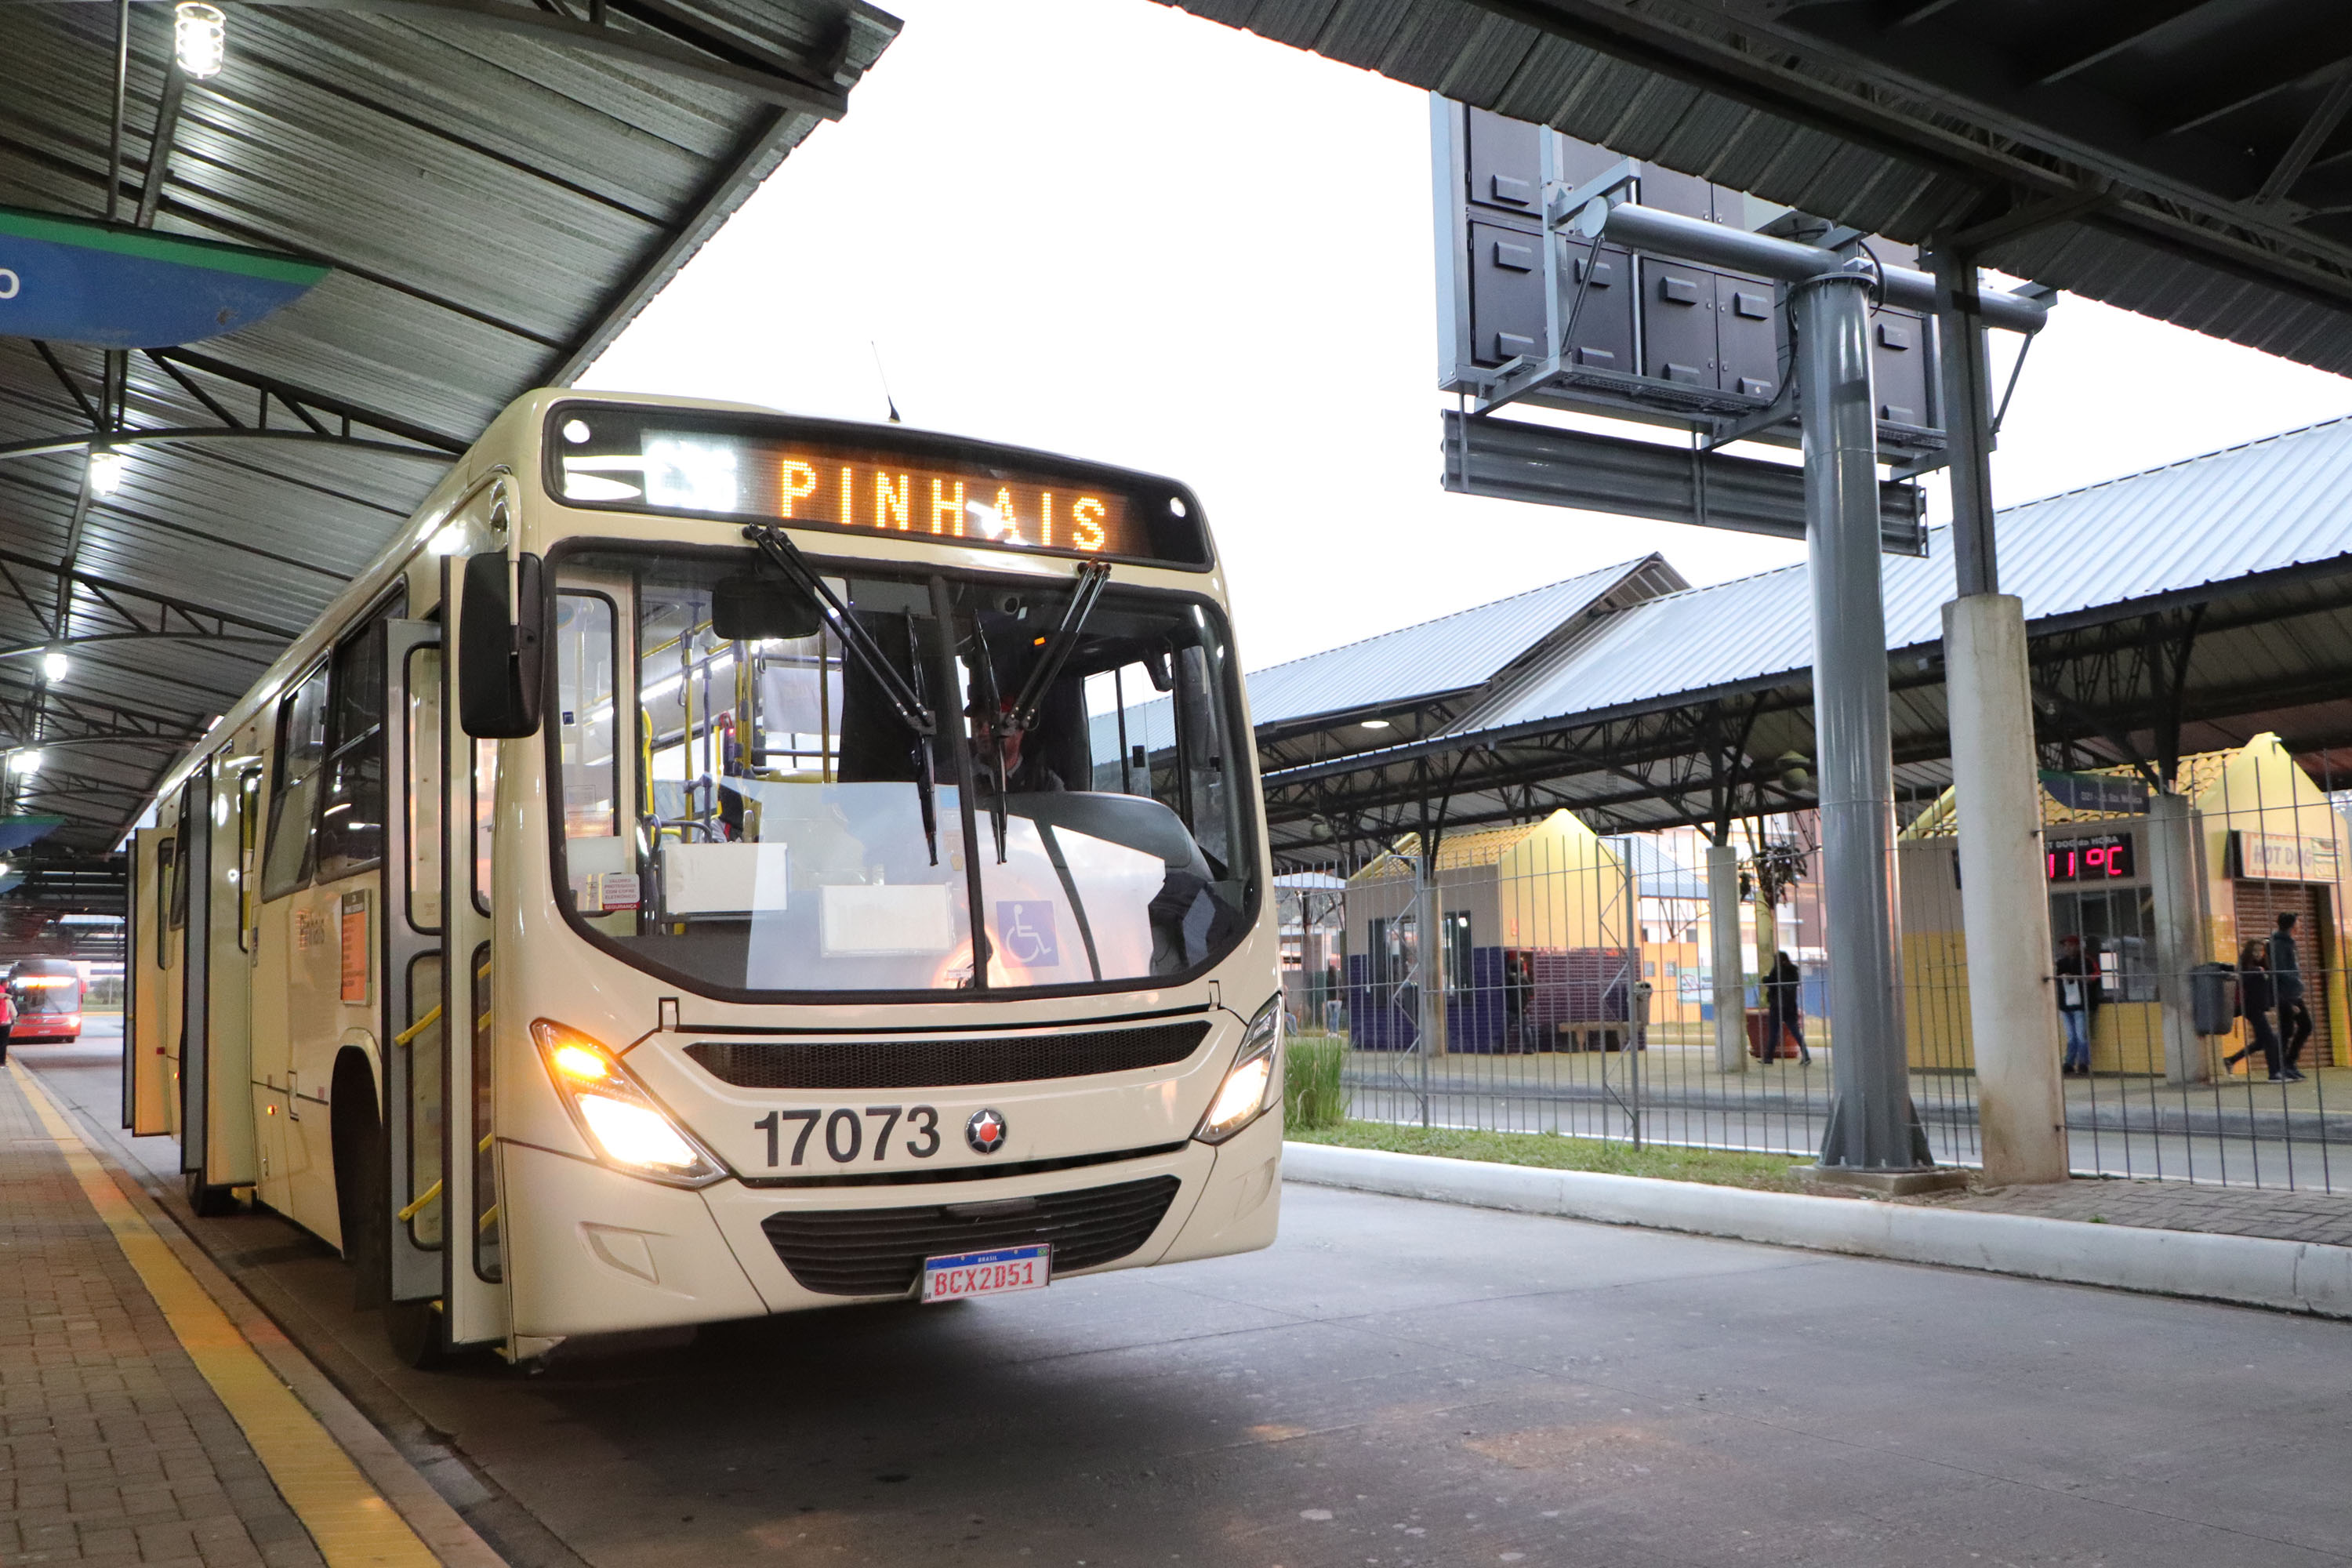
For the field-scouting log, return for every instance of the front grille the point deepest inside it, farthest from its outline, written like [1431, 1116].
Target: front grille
[880, 1252]
[927, 1064]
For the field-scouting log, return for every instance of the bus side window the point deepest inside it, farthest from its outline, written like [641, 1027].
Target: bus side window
[166, 878]
[422, 688]
[351, 823]
[249, 834]
[178, 919]
[486, 800]
[301, 751]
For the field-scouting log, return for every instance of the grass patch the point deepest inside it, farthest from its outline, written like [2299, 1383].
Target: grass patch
[1551, 1151]
[1313, 1099]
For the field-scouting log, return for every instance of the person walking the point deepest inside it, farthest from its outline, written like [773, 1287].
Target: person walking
[2077, 993]
[2294, 1011]
[1784, 992]
[2256, 996]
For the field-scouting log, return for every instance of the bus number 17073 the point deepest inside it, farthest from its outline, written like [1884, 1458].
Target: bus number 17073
[845, 1132]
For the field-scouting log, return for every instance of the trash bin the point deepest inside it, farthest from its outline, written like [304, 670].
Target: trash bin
[2213, 998]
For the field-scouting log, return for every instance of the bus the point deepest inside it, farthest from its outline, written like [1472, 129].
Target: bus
[716, 864]
[45, 1000]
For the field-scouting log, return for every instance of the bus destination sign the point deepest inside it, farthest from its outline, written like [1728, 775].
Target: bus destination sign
[607, 457]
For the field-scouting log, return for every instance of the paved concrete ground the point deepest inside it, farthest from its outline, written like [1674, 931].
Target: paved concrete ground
[1400, 1383]
[113, 1449]
[2179, 1206]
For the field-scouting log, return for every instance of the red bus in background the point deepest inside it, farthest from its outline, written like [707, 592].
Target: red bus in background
[45, 995]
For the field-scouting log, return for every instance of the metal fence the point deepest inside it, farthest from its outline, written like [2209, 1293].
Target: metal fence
[1526, 1012]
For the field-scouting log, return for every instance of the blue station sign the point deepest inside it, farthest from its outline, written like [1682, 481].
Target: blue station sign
[73, 281]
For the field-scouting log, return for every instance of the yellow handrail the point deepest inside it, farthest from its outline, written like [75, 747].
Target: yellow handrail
[435, 1190]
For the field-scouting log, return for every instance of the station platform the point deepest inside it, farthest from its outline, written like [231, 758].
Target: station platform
[149, 1412]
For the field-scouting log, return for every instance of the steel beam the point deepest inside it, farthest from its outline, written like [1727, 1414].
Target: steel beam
[1655, 233]
[1554, 466]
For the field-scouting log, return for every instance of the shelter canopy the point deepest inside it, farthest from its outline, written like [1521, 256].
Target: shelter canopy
[497, 189]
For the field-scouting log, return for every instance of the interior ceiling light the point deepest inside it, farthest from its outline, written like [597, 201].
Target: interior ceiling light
[106, 467]
[24, 762]
[54, 665]
[199, 37]
[1375, 724]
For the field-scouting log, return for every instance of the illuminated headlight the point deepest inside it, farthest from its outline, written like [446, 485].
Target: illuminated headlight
[1251, 1085]
[620, 1120]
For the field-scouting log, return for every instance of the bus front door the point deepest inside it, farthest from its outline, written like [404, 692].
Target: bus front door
[416, 1122]
[473, 1263]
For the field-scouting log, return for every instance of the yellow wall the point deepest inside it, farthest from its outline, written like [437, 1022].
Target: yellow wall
[1559, 886]
[2258, 788]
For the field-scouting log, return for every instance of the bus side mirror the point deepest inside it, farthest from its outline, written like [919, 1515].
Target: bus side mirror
[500, 653]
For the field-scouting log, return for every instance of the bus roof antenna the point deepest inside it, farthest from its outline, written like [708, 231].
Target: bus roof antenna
[884, 375]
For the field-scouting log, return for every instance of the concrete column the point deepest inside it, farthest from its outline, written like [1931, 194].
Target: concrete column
[1723, 945]
[2004, 898]
[1871, 1126]
[2173, 880]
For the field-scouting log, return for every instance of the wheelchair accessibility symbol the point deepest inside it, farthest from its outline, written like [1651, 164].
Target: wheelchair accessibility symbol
[1025, 931]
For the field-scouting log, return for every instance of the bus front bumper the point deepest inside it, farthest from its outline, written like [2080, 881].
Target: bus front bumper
[597, 1251]
[806, 1246]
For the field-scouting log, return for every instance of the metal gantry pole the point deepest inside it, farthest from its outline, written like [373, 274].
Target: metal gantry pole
[1871, 1126]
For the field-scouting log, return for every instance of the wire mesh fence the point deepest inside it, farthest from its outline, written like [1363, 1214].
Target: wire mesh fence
[1542, 978]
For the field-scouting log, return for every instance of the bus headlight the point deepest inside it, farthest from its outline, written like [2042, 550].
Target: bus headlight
[620, 1120]
[1249, 1087]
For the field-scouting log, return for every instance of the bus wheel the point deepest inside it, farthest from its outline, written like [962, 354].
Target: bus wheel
[415, 1329]
[208, 1201]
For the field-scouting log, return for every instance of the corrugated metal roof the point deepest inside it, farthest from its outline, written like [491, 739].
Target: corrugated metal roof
[2119, 183]
[497, 189]
[2282, 502]
[1429, 658]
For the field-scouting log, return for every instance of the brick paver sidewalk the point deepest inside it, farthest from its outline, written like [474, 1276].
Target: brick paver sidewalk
[2180, 1205]
[113, 1449]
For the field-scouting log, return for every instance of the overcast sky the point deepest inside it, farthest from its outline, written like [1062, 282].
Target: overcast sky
[1113, 229]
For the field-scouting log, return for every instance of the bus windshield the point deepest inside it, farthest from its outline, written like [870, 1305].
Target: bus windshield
[752, 807]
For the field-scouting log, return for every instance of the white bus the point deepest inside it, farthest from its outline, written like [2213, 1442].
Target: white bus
[716, 864]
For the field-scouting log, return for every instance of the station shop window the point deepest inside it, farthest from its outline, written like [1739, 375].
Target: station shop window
[2117, 926]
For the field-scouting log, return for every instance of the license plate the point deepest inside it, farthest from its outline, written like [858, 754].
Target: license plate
[998, 1273]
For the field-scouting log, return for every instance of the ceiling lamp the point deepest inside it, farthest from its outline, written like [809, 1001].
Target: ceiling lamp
[24, 761]
[199, 37]
[106, 467]
[54, 665]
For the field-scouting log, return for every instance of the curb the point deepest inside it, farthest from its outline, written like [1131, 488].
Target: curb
[2245, 1270]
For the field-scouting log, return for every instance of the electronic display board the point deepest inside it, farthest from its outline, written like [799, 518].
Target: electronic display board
[2102, 857]
[859, 479]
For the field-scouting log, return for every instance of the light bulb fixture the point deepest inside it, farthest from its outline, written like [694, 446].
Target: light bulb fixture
[199, 37]
[106, 467]
[24, 761]
[54, 665]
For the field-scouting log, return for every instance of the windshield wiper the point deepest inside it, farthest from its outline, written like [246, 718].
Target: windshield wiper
[912, 711]
[983, 684]
[1023, 715]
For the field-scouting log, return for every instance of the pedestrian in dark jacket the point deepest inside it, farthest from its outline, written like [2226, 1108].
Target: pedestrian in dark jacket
[2256, 996]
[1784, 989]
[2294, 1011]
[2077, 994]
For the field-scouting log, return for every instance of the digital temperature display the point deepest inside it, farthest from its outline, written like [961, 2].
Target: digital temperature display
[2102, 857]
[849, 479]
